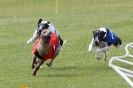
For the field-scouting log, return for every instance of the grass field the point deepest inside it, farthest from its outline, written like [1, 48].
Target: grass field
[75, 20]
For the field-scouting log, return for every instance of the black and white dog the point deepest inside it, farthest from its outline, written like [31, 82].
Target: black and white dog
[103, 38]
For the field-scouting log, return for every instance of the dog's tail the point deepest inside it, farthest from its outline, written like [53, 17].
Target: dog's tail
[118, 42]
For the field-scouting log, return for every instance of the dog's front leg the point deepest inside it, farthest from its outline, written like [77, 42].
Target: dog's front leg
[90, 47]
[40, 62]
[33, 61]
[105, 55]
[104, 49]
[97, 54]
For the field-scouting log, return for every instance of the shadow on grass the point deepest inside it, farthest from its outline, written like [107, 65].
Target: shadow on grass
[69, 68]
[69, 71]
[65, 75]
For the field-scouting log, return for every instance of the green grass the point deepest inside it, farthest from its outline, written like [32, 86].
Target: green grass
[74, 67]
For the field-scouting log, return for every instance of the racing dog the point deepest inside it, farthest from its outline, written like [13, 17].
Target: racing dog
[103, 38]
[46, 47]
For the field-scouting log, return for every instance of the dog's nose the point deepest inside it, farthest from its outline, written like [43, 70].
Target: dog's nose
[96, 43]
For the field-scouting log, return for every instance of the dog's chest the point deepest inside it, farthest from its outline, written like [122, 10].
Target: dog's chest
[42, 50]
[102, 44]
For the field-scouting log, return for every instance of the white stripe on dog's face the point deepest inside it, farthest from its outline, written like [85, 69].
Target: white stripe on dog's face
[96, 39]
[40, 27]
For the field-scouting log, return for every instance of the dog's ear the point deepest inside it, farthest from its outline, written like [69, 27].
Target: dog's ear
[39, 21]
[93, 33]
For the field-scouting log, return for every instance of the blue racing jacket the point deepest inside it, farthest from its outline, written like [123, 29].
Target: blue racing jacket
[111, 38]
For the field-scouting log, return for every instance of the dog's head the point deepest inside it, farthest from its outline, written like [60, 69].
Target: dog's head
[46, 35]
[42, 25]
[98, 37]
